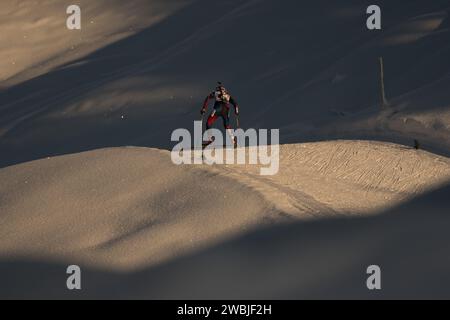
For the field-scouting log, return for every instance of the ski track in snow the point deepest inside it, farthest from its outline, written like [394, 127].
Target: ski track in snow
[342, 177]
[127, 209]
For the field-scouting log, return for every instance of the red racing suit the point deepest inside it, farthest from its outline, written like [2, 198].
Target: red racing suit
[221, 108]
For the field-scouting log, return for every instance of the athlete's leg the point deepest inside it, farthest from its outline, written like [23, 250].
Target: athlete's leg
[209, 123]
[226, 124]
[211, 119]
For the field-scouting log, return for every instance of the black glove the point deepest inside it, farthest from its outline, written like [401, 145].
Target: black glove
[202, 112]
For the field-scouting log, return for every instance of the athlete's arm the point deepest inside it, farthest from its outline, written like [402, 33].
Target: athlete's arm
[235, 105]
[205, 103]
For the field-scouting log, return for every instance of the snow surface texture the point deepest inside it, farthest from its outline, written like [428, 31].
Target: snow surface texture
[117, 212]
[311, 70]
[142, 227]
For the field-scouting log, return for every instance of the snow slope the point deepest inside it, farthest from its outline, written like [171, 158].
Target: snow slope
[309, 65]
[35, 39]
[404, 120]
[345, 176]
[121, 210]
[118, 208]
[142, 227]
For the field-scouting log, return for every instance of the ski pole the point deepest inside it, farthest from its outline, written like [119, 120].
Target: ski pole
[237, 122]
[202, 122]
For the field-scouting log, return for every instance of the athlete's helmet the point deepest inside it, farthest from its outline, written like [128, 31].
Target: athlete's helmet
[221, 88]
